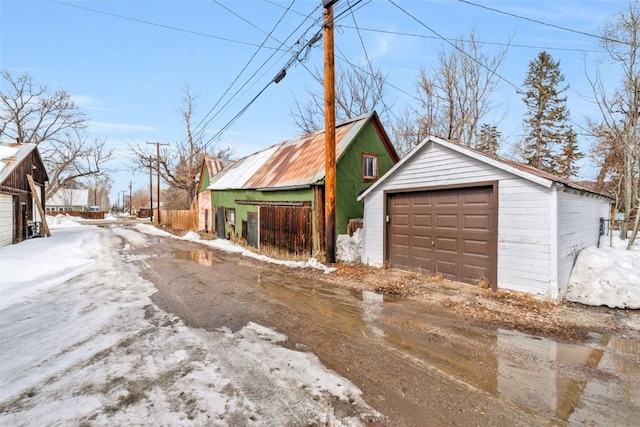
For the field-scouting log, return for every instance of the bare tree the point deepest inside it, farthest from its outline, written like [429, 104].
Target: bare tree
[358, 91]
[406, 133]
[31, 114]
[456, 94]
[617, 126]
[180, 165]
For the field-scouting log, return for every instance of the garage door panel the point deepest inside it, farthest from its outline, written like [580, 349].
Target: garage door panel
[476, 198]
[445, 221]
[460, 222]
[446, 244]
[446, 199]
[421, 220]
[476, 222]
[475, 247]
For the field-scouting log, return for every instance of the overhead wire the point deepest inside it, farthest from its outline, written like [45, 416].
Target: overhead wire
[247, 64]
[559, 27]
[155, 24]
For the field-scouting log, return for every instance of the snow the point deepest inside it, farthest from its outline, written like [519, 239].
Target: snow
[349, 248]
[607, 275]
[82, 344]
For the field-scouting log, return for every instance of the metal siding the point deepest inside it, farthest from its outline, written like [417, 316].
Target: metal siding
[578, 227]
[6, 219]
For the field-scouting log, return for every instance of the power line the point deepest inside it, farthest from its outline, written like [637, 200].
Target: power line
[155, 24]
[246, 65]
[518, 90]
[479, 42]
[541, 22]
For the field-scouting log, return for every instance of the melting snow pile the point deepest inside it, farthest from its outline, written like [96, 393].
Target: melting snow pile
[349, 248]
[607, 275]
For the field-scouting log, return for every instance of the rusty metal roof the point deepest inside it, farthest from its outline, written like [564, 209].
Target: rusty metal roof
[292, 163]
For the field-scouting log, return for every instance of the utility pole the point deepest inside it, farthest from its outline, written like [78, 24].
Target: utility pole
[329, 136]
[130, 197]
[151, 192]
[157, 144]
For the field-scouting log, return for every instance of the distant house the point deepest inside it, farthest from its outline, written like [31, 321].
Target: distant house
[18, 211]
[211, 166]
[274, 199]
[69, 199]
[447, 209]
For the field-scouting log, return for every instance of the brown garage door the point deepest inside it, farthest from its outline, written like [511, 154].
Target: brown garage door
[452, 232]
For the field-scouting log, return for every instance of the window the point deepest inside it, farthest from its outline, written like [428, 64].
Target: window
[369, 167]
[230, 216]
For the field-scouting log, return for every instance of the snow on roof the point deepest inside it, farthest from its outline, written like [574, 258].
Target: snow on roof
[69, 197]
[11, 155]
[524, 171]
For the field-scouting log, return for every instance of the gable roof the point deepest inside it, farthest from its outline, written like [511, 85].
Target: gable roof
[296, 162]
[11, 155]
[527, 172]
[69, 197]
[212, 166]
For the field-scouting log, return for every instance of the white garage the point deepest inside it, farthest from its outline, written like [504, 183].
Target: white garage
[6, 219]
[449, 210]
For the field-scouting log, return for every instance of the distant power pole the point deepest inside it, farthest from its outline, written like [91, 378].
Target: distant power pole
[157, 144]
[130, 197]
[329, 136]
[151, 191]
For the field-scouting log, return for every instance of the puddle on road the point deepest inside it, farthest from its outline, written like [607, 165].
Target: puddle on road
[202, 257]
[571, 383]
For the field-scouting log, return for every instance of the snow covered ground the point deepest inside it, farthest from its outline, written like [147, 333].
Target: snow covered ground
[82, 344]
[608, 275]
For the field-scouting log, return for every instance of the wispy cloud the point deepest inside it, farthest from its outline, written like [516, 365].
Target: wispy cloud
[107, 127]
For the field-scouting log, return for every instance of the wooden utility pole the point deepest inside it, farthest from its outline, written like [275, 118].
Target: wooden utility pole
[157, 144]
[130, 195]
[151, 192]
[329, 136]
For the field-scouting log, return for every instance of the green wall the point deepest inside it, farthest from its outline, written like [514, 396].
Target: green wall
[349, 185]
[227, 199]
[349, 180]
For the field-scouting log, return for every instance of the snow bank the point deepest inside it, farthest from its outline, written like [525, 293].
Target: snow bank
[82, 344]
[228, 246]
[607, 275]
[349, 248]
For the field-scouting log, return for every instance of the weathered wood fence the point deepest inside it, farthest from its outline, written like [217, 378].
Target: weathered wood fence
[180, 219]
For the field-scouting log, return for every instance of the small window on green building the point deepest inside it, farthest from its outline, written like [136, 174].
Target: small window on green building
[230, 216]
[369, 166]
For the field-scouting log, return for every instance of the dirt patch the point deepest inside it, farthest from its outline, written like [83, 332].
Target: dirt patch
[505, 309]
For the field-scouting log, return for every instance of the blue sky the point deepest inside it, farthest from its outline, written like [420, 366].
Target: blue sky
[126, 62]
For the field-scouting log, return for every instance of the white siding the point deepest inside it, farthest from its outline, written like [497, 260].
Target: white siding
[523, 214]
[6, 219]
[523, 236]
[578, 227]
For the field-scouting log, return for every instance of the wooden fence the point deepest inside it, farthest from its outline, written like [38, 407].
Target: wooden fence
[179, 220]
[79, 214]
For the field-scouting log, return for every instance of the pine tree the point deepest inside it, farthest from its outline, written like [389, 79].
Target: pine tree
[489, 139]
[550, 142]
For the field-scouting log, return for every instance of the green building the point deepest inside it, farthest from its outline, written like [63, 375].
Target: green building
[274, 199]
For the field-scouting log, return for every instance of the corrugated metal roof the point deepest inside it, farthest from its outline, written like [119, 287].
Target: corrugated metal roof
[11, 155]
[292, 163]
[215, 165]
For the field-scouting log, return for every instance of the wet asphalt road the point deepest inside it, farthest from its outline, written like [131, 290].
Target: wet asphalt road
[416, 364]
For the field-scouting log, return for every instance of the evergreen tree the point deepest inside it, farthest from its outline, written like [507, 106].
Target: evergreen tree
[489, 139]
[550, 142]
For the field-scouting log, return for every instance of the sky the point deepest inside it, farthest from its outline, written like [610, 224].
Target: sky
[96, 324]
[126, 63]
